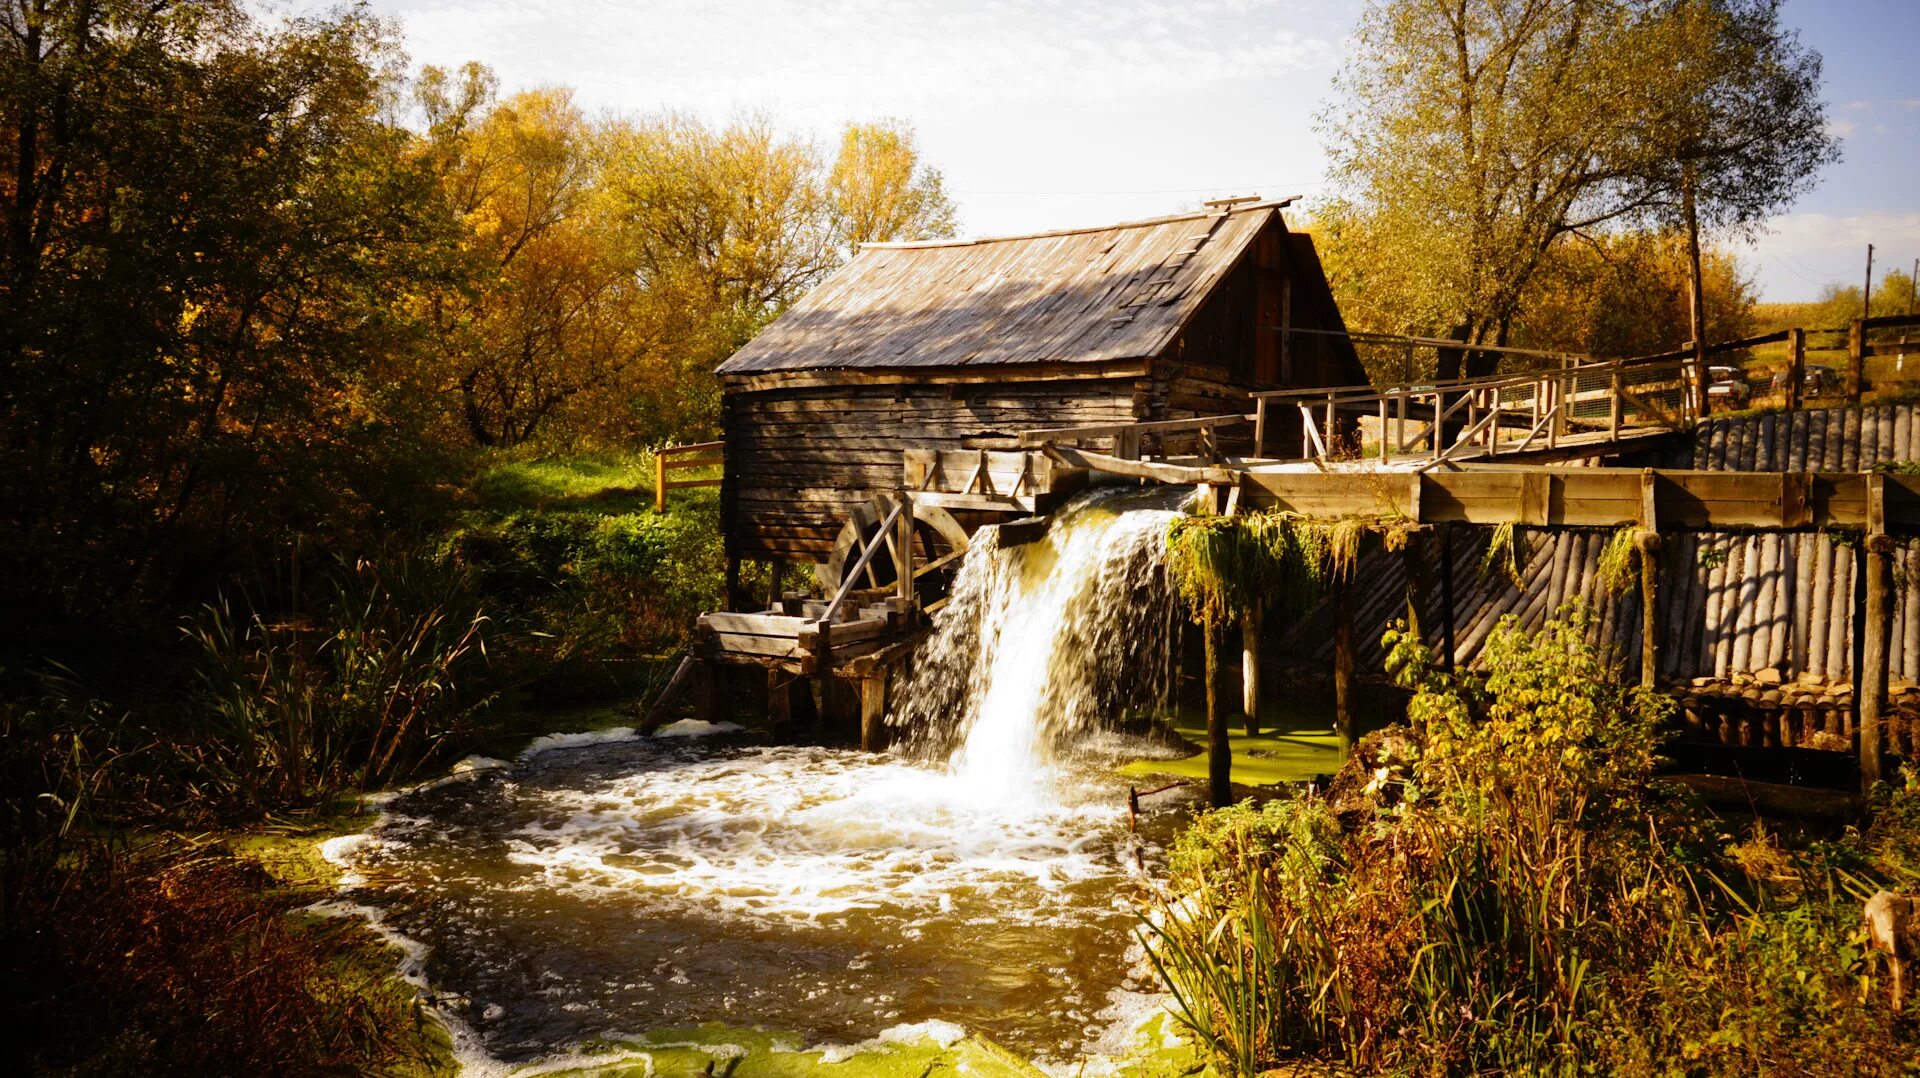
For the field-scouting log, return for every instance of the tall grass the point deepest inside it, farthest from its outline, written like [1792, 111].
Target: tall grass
[356, 695]
[1507, 890]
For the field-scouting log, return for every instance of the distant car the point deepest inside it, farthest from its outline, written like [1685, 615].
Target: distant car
[1817, 380]
[1728, 384]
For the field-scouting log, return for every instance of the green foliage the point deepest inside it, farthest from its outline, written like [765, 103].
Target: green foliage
[1505, 889]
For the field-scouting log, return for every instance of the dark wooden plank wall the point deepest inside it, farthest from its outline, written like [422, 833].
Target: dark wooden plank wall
[798, 460]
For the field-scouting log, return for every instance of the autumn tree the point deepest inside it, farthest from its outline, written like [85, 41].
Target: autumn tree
[206, 225]
[1473, 136]
[880, 189]
[1731, 122]
[554, 309]
[1627, 294]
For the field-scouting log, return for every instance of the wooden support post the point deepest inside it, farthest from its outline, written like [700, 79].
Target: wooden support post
[1446, 598]
[903, 550]
[779, 702]
[1250, 668]
[1856, 359]
[1872, 694]
[1343, 666]
[659, 482]
[1873, 675]
[1649, 543]
[1259, 427]
[706, 690]
[873, 711]
[1796, 367]
[1219, 749]
[774, 592]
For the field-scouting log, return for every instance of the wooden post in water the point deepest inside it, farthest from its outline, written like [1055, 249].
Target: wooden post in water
[1219, 749]
[1446, 597]
[1343, 666]
[1250, 668]
[873, 711]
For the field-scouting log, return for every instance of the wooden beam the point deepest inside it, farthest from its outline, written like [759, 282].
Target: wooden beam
[1177, 474]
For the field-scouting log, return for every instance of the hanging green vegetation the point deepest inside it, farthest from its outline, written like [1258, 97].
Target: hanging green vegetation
[1505, 554]
[1225, 566]
[1620, 560]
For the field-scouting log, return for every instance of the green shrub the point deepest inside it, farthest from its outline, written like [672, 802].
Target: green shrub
[1505, 888]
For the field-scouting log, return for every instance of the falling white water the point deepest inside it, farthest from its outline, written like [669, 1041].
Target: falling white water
[1044, 641]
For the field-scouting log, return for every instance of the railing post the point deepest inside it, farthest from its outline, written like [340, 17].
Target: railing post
[1796, 367]
[1259, 427]
[659, 480]
[1400, 424]
[1856, 359]
[1326, 436]
[1306, 433]
[1616, 404]
[1439, 424]
[1386, 450]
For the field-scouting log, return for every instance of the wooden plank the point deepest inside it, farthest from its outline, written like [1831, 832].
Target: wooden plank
[765, 624]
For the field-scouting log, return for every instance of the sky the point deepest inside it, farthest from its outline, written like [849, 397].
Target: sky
[1059, 113]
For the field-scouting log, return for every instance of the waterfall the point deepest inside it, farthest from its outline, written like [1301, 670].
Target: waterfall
[1042, 642]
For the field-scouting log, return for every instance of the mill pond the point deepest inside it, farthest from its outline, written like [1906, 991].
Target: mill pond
[986, 877]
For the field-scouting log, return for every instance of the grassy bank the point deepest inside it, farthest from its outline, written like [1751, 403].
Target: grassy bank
[549, 598]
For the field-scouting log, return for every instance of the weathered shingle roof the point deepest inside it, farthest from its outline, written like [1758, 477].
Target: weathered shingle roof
[1080, 296]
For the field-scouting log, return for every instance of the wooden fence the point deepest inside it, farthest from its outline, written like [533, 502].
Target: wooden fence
[684, 458]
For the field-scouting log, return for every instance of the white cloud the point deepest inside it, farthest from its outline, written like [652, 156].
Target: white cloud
[823, 61]
[1801, 253]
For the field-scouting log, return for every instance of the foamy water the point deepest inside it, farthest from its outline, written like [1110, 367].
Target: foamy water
[606, 883]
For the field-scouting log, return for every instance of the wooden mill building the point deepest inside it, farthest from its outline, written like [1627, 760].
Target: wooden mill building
[961, 345]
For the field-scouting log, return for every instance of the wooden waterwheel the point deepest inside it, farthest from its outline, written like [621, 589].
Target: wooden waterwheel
[938, 543]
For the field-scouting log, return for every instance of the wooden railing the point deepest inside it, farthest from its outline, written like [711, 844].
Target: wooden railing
[681, 458]
[1488, 416]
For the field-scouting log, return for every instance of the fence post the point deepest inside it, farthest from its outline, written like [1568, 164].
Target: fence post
[1796, 367]
[1856, 359]
[1615, 404]
[659, 480]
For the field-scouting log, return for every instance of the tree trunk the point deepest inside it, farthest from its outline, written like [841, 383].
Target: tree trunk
[1696, 290]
